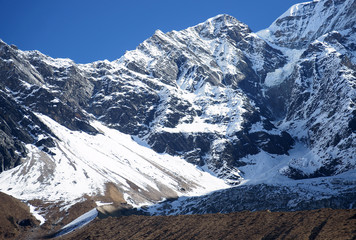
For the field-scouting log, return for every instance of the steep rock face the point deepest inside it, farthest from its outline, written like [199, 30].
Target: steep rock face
[29, 84]
[52, 87]
[305, 22]
[181, 93]
[315, 91]
[322, 106]
[19, 126]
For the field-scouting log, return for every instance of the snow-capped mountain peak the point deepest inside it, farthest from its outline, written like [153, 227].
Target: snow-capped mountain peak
[303, 23]
[186, 112]
[221, 24]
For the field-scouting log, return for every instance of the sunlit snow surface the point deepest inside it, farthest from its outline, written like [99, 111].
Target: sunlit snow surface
[78, 222]
[280, 74]
[303, 22]
[36, 214]
[83, 163]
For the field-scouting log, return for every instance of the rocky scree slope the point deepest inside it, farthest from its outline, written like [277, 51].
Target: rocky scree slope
[247, 107]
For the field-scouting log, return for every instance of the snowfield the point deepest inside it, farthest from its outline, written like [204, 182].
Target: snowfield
[83, 163]
[78, 222]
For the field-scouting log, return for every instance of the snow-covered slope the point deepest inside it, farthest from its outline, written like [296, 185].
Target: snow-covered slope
[82, 164]
[79, 222]
[186, 113]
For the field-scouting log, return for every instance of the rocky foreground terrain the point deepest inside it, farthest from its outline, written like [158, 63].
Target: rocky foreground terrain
[15, 218]
[316, 224]
[16, 222]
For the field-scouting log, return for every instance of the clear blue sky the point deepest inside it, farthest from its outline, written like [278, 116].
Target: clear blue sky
[90, 30]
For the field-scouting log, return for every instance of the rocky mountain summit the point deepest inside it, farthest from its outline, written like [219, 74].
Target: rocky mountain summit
[188, 112]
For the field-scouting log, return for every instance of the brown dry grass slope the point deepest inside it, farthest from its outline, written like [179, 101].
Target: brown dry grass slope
[316, 224]
[15, 217]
